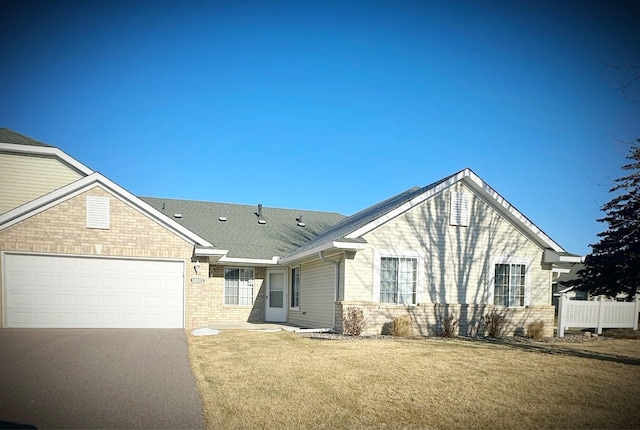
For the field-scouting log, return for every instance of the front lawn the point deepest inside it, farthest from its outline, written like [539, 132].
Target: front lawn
[251, 379]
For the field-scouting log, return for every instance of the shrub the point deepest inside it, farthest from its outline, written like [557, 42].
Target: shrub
[353, 322]
[535, 330]
[401, 326]
[448, 326]
[493, 323]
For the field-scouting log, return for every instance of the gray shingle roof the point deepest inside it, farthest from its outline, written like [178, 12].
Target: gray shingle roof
[9, 136]
[244, 237]
[241, 234]
[364, 217]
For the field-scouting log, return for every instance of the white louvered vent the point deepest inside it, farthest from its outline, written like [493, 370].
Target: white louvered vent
[98, 212]
[459, 209]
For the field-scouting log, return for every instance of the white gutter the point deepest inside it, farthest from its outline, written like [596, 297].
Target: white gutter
[345, 246]
[258, 261]
[337, 286]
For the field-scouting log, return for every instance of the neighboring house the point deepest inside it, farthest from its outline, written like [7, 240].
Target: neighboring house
[84, 252]
[567, 273]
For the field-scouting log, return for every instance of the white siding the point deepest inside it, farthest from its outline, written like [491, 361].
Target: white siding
[24, 178]
[456, 261]
[317, 296]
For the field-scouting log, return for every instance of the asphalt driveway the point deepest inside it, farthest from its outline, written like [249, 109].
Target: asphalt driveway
[77, 378]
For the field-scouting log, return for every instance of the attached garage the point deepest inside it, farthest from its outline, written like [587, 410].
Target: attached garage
[57, 291]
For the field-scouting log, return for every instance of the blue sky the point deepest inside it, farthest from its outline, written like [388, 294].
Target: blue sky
[332, 105]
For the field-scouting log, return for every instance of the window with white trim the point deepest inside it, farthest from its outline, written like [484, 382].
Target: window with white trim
[295, 287]
[459, 209]
[398, 279]
[509, 284]
[238, 285]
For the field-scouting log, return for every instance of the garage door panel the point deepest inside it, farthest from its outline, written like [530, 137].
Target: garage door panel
[44, 299]
[57, 291]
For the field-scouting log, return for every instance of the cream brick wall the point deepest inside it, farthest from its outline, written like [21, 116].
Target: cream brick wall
[62, 230]
[218, 312]
[427, 318]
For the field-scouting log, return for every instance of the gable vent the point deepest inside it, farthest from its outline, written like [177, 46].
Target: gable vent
[98, 212]
[459, 209]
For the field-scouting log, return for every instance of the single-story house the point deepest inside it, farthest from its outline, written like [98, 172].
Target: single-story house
[79, 250]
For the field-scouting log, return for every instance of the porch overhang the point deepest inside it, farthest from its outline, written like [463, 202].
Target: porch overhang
[212, 253]
[349, 246]
[552, 257]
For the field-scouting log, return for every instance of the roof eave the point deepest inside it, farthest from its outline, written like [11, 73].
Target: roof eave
[76, 188]
[551, 257]
[326, 246]
[46, 151]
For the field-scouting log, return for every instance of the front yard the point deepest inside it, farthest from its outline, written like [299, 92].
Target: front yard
[251, 379]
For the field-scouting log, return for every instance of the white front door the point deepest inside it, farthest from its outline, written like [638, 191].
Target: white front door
[276, 310]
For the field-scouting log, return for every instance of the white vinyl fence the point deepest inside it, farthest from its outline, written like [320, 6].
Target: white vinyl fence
[597, 314]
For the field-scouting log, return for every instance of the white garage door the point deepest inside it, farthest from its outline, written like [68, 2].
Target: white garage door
[56, 291]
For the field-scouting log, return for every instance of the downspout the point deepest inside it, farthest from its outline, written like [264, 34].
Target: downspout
[337, 286]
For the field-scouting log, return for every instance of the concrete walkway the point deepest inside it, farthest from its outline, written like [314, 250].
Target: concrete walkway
[76, 378]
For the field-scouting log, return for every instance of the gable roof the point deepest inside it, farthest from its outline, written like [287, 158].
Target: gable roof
[241, 234]
[16, 143]
[76, 188]
[354, 227]
[9, 136]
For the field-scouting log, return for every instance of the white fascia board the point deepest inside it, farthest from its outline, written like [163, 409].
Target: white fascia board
[251, 261]
[551, 256]
[49, 151]
[78, 187]
[475, 179]
[350, 246]
[405, 207]
[343, 246]
[207, 252]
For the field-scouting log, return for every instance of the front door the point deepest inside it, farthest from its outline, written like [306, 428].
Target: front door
[276, 310]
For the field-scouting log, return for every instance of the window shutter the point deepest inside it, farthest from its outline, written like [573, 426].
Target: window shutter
[459, 209]
[98, 212]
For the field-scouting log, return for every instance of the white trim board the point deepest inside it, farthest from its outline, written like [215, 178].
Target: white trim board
[78, 187]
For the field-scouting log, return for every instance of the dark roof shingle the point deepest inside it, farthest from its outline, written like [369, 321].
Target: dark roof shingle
[9, 136]
[241, 233]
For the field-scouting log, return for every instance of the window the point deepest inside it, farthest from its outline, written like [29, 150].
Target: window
[238, 286]
[295, 287]
[459, 209]
[98, 212]
[398, 280]
[509, 284]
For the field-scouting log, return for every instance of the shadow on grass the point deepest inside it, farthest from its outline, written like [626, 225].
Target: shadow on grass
[555, 350]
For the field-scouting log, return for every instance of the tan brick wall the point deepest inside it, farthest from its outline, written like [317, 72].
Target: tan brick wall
[219, 312]
[62, 230]
[427, 317]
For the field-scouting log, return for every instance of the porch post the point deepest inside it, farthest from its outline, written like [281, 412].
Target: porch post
[600, 314]
[635, 312]
[561, 314]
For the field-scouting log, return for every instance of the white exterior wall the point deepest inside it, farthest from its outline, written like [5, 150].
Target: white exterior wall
[26, 177]
[317, 296]
[455, 263]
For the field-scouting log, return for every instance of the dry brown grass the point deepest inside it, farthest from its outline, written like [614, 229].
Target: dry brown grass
[282, 380]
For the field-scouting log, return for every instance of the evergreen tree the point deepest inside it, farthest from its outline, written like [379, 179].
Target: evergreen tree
[613, 266]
